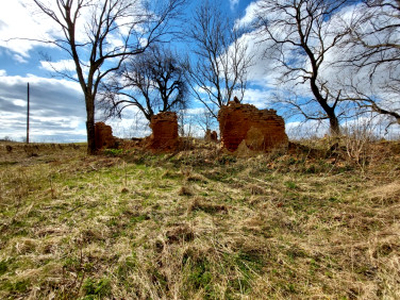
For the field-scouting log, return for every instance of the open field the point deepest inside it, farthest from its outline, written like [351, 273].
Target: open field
[200, 224]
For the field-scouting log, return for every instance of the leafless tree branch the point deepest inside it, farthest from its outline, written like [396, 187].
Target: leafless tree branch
[135, 26]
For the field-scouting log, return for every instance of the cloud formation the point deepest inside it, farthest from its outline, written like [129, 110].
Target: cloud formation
[21, 28]
[57, 110]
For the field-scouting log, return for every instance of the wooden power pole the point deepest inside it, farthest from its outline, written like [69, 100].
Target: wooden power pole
[27, 116]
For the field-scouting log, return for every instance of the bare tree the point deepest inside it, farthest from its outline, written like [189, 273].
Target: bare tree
[153, 81]
[374, 47]
[99, 35]
[299, 34]
[222, 60]
[368, 101]
[205, 120]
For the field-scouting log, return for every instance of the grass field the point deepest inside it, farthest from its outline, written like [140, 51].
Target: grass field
[200, 224]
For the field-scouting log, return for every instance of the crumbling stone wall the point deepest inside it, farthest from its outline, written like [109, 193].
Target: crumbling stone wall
[165, 132]
[103, 136]
[260, 130]
[211, 136]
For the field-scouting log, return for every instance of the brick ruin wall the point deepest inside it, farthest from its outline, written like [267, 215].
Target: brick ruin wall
[211, 136]
[164, 135]
[261, 130]
[103, 136]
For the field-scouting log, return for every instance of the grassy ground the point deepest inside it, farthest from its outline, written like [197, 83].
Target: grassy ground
[199, 224]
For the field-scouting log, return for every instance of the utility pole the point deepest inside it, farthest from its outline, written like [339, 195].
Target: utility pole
[27, 116]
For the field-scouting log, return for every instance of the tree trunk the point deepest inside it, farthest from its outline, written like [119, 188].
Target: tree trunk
[91, 139]
[330, 111]
[334, 125]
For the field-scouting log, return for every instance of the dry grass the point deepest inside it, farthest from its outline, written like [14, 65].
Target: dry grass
[311, 224]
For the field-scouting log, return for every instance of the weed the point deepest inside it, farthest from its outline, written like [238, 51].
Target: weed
[96, 289]
[3, 267]
[113, 152]
[290, 185]
[138, 219]
[16, 287]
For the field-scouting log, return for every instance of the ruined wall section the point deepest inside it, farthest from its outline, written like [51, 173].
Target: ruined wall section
[211, 136]
[104, 138]
[164, 135]
[261, 130]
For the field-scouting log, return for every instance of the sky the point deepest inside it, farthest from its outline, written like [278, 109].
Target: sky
[57, 111]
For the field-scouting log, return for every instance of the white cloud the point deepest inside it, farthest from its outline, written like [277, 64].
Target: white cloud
[132, 124]
[266, 71]
[19, 58]
[249, 16]
[20, 28]
[371, 125]
[57, 106]
[62, 65]
[57, 111]
[259, 97]
[298, 130]
[19, 102]
[23, 26]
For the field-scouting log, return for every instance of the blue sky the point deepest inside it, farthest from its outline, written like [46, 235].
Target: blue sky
[57, 106]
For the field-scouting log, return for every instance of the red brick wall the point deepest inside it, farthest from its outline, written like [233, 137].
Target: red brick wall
[235, 121]
[103, 136]
[165, 132]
